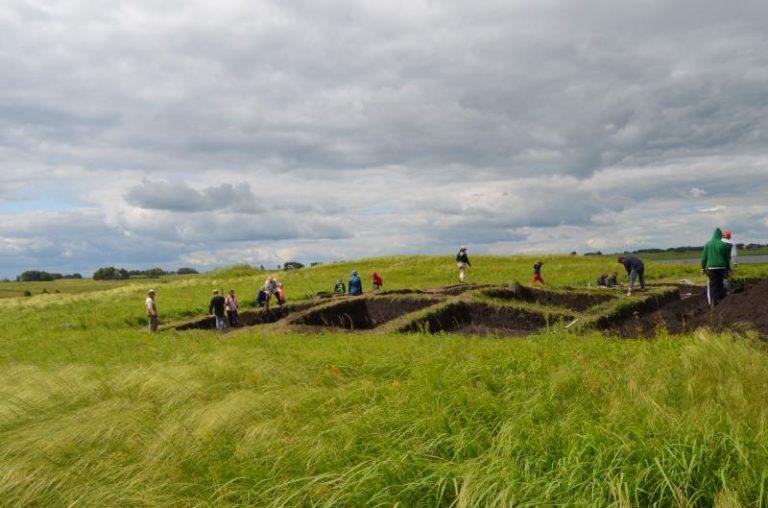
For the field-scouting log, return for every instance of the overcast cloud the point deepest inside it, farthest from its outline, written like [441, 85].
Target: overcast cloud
[199, 133]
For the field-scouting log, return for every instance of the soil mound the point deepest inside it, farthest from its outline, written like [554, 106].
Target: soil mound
[747, 309]
[739, 312]
[678, 316]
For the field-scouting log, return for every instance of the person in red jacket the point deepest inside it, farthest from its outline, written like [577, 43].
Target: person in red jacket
[376, 281]
[537, 273]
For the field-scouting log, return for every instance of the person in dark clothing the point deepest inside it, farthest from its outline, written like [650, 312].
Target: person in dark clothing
[602, 281]
[613, 280]
[635, 269]
[355, 284]
[216, 307]
[340, 288]
[537, 273]
[462, 263]
[715, 262]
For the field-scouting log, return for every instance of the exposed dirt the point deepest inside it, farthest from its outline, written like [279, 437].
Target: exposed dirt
[739, 312]
[574, 301]
[747, 309]
[678, 309]
[457, 289]
[478, 319]
[249, 317]
[363, 313]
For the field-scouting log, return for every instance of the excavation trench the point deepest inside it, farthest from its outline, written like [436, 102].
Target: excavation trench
[744, 310]
[362, 313]
[578, 302]
[253, 317]
[479, 319]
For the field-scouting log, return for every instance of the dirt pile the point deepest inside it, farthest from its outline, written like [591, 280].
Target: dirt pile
[738, 312]
[745, 310]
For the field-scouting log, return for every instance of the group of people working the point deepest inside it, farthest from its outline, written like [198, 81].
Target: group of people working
[356, 284]
[717, 260]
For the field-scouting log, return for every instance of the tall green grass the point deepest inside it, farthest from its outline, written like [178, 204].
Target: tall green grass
[94, 411]
[352, 420]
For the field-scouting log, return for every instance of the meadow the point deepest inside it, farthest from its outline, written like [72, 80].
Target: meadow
[95, 411]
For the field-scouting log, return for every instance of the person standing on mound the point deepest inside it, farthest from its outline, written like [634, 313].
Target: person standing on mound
[635, 269]
[462, 263]
[715, 262]
[537, 273]
[151, 307]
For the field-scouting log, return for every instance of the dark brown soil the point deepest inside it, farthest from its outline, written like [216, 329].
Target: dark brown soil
[457, 289]
[478, 319]
[357, 313]
[747, 309]
[677, 316]
[249, 317]
[574, 301]
[738, 312]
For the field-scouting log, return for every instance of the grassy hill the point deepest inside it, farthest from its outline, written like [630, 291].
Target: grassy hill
[95, 411]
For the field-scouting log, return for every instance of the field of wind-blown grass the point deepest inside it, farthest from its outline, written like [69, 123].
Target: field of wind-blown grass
[94, 411]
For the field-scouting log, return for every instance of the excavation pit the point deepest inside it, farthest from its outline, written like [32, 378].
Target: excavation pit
[742, 311]
[356, 313]
[479, 319]
[252, 317]
[578, 302]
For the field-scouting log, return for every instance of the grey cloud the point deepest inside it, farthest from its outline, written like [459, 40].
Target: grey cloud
[283, 124]
[180, 197]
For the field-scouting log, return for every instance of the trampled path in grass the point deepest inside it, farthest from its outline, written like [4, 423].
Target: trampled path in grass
[94, 411]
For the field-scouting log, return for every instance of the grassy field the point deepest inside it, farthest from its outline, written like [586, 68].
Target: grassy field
[696, 253]
[95, 411]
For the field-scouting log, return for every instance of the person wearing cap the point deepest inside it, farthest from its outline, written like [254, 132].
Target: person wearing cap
[216, 307]
[151, 307]
[462, 263]
[727, 239]
[635, 269]
[715, 262]
[734, 263]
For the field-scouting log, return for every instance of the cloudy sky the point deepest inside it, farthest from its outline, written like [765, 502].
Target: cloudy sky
[205, 133]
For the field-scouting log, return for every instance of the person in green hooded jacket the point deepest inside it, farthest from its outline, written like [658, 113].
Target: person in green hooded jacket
[715, 262]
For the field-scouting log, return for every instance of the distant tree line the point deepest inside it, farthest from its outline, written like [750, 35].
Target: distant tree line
[112, 273]
[40, 275]
[688, 248]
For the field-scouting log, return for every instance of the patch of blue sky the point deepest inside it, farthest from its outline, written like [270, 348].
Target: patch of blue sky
[50, 197]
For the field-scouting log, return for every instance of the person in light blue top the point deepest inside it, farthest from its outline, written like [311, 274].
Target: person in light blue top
[355, 284]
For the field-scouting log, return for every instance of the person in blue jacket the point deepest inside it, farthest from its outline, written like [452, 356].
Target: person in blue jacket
[635, 269]
[355, 284]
